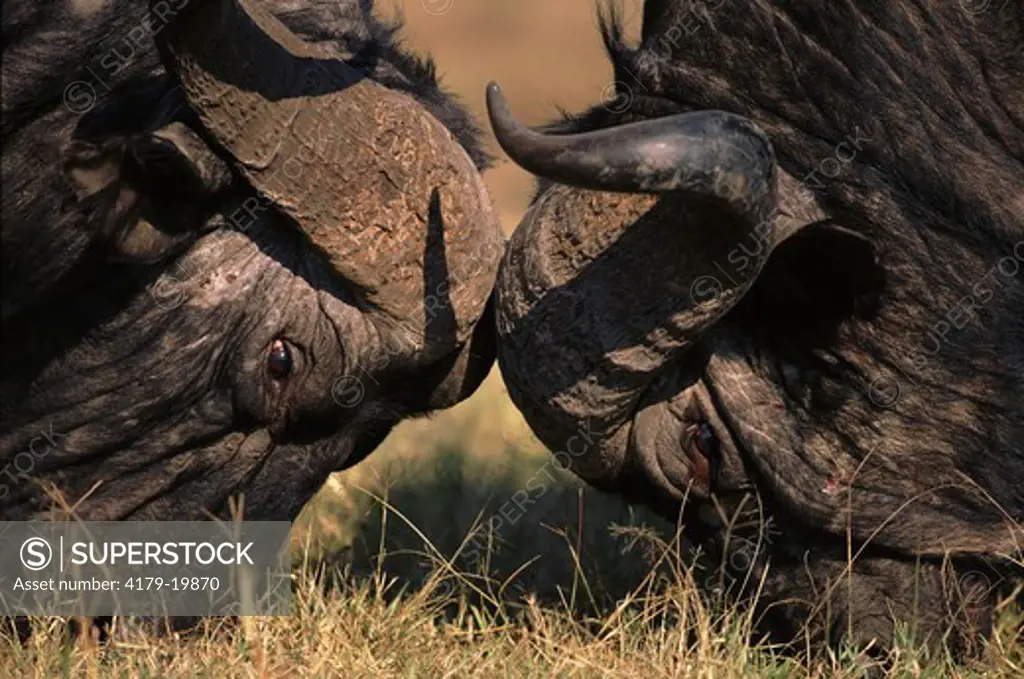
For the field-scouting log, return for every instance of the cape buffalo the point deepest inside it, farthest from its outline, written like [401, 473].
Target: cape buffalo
[775, 283]
[234, 258]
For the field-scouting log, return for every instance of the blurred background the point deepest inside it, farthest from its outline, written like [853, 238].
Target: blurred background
[458, 469]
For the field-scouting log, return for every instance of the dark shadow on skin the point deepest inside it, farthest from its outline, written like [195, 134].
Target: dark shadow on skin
[441, 323]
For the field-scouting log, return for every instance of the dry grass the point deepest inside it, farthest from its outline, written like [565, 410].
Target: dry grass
[384, 580]
[384, 589]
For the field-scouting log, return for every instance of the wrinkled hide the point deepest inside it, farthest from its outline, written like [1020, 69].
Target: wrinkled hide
[839, 380]
[234, 257]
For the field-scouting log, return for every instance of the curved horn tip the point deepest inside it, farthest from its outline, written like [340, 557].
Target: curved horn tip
[508, 131]
[497, 105]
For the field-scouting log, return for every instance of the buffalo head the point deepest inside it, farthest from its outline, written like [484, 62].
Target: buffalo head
[235, 277]
[777, 285]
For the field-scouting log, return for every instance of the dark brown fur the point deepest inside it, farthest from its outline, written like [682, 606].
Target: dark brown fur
[134, 374]
[898, 289]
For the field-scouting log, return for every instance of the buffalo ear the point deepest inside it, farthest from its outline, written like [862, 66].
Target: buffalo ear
[146, 192]
[839, 270]
[823, 275]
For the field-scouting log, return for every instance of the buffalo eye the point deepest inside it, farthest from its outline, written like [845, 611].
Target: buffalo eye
[707, 442]
[279, 360]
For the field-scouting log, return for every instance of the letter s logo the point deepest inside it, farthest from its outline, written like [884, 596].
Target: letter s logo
[36, 554]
